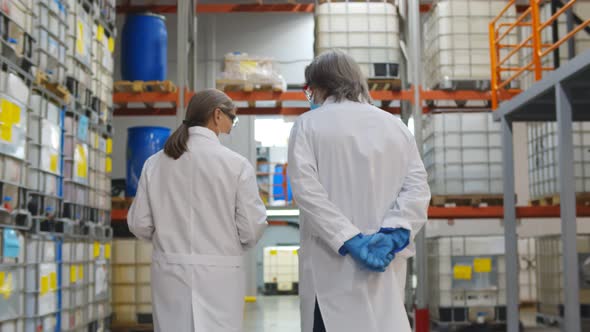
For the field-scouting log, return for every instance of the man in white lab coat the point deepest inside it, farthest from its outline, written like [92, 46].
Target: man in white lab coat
[356, 174]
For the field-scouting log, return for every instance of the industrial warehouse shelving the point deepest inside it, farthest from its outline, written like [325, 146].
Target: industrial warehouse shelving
[173, 104]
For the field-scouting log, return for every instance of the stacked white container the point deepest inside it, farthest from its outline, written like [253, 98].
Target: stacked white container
[367, 31]
[106, 11]
[14, 96]
[528, 270]
[281, 270]
[456, 43]
[467, 279]
[99, 256]
[550, 278]
[18, 29]
[41, 295]
[102, 67]
[76, 164]
[50, 29]
[581, 40]
[12, 280]
[74, 284]
[79, 53]
[544, 161]
[462, 153]
[100, 165]
[44, 149]
[132, 300]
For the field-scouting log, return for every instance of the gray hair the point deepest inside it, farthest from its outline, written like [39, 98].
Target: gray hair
[337, 75]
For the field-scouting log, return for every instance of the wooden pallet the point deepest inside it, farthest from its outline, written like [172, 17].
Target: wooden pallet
[581, 199]
[528, 304]
[384, 84]
[246, 86]
[145, 86]
[132, 328]
[467, 200]
[60, 91]
[119, 203]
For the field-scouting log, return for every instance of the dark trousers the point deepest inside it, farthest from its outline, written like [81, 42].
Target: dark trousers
[318, 321]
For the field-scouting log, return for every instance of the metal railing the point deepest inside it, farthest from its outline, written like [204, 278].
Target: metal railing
[499, 31]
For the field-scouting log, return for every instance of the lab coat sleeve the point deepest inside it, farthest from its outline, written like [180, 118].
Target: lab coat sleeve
[325, 218]
[410, 208]
[250, 210]
[139, 217]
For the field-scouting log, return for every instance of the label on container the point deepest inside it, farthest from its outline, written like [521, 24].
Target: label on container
[248, 66]
[9, 116]
[53, 281]
[482, 265]
[107, 251]
[96, 249]
[11, 243]
[53, 163]
[73, 274]
[81, 160]
[44, 285]
[295, 252]
[6, 284]
[111, 44]
[80, 272]
[100, 33]
[80, 38]
[109, 165]
[109, 146]
[83, 128]
[462, 272]
[273, 252]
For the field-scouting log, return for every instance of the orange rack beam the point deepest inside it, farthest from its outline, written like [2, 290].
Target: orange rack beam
[291, 111]
[497, 212]
[222, 8]
[151, 99]
[300, 96]
[464, 212]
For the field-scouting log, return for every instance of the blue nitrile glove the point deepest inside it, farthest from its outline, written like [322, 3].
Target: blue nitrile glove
[380, 252]
[399, 236]
[372, 251]
[354, 246]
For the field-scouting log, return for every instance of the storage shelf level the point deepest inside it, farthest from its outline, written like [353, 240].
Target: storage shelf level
[152, 101]
[462, 212]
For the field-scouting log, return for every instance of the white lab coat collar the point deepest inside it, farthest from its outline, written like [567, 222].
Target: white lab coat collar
[332, 100]
[203, 132]
[329, 100]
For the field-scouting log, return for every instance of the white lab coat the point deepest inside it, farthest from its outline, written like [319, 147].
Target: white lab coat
[201, 213]
[354, 168]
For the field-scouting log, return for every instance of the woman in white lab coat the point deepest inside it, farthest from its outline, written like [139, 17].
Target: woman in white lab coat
[197, 202]
[354, 169]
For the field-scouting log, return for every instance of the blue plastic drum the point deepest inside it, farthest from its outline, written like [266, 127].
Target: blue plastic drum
[142, 142]
[144, 47]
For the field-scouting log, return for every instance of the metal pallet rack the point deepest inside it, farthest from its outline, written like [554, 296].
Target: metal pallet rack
[560, 95]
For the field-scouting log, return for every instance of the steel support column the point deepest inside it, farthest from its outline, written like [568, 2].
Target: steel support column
[510, 236]
[571, 282]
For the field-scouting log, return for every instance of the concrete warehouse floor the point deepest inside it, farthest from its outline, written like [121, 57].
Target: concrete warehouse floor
[281, 313]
